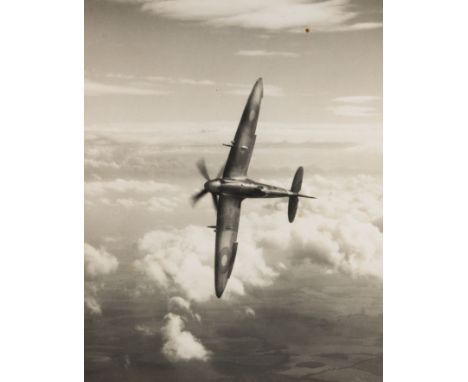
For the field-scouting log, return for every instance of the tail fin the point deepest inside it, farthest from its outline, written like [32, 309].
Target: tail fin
[294, 200]
[297, 181]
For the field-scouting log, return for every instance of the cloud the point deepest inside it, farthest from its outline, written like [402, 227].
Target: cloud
[266, 53]
[178, 260]
[249, 312]
[94, 88]
[145, 330]
[99, 262]
[181, 81]
[345, 245]
[155, 204]
[101, 164]
[179, 303]
[354, 106]
[92, 304]
[271, 15]
[229, 88]
[356, 99]
[357, 27]
[336, 232]
[181, 261]
[353, 111]
[181, 345]
[95, 188]
[163, 204]
[244, 90]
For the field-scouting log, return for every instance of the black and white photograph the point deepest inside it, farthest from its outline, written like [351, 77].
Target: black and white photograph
[193, 190]
[233, 190]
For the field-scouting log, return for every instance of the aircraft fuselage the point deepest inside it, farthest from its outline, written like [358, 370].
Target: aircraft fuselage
[245, 188]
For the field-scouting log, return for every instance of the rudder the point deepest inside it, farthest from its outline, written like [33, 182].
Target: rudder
[297, 181]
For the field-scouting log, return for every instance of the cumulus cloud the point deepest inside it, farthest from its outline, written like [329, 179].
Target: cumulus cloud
[266, 53]
[337, 231]
[182, 261]
[180, 305]
[94, 88]
[179, 344]
[323, 16]
[99, 261]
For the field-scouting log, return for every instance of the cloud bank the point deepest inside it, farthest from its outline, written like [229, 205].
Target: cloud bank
[339, 232]
[182, 261]
[94, 89]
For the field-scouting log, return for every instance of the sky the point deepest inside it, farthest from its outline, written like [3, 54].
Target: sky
[165, 84]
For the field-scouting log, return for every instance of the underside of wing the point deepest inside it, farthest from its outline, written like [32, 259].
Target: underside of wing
[244, 141]
[227, 226]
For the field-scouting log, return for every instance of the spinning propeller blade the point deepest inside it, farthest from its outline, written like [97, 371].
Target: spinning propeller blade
[198, 196]
[201, 165]
[220, 173]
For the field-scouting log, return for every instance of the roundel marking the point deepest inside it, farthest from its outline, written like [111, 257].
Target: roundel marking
[251, 115]
[224, 259]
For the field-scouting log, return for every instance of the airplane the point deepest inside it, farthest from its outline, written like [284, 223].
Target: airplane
[231, 187]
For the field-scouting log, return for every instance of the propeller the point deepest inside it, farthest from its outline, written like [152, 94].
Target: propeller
[198, 196]
[201, 165]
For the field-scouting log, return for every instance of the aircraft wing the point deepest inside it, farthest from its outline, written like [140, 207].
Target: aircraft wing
[226, 235]
[243, 144]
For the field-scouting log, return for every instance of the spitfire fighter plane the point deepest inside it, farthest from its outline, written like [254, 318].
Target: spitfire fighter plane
[232, 186]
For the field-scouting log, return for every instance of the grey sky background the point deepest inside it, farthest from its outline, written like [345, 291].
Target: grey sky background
[165, 84]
